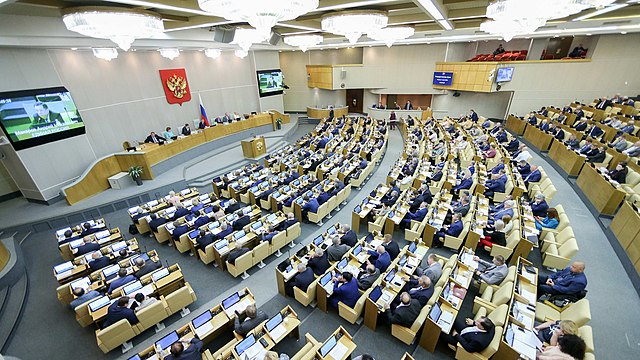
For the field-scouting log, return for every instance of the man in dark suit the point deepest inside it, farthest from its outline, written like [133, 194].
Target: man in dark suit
[154, 138]
[191, 353]
[405, 223]
[122, 279]
[349, 236]
[118, 311]
[603, 103]
[232, 206]
[248, 320]
[225, 230]
[145, 267]
[98, 261]
[420, 289]
[379, 258]
[572, 142]
[180, 228]
[318, 262]
[493, 186]
[291, 220]
[155, 222]
[323, 197]
[201, 220]
[580, 125]
[231, 259]
[391, 246]
[87, 247]
[474, 336]
[136, 218]
[345, 290]
[473, 115]
[88, 230]
[539, 206]
[45, 117]
[405, 313]
[269, 234]
[579, 113]
[301, 280]
[408, 105]
[452, 230]
[534, 176]
[367, 278]
[204, 239]
[465, 183]
[599, 155]
[390, 198]
[310, 205]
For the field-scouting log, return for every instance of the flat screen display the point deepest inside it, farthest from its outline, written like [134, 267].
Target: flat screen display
[443, 78]
[38, 116]
[270, 82]
[504, 74]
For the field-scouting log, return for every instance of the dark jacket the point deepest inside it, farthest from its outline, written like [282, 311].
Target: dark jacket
[349, 238]
[190, 353]
[99, 263]
[241, 222]
[236, 254]
[475, 341]
[153, 224]
[405, 315]
[148, 267]
[87, 248]
[319, 265]
[117, 313]
[243, 327]
[393, 249]
[304, 279]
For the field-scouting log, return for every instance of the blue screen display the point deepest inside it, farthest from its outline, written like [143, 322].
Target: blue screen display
[443, 78]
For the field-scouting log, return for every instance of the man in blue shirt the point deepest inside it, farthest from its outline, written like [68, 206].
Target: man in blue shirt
[269, 234]
[465, 183]
[118, 311]
[345, 290]
[568, 281]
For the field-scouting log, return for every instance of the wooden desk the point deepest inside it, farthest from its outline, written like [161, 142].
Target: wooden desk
[603, 195]
[538, 138]
[254, 148]
[320, 113]
[516, 124]
[626, 227]
[570, 161]
[94, 180]
[345, 339]
[431, 331]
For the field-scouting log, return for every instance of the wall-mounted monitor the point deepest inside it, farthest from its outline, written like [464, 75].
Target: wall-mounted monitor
[38, 116]
[443, 78]
[504, 74]
[270, 82]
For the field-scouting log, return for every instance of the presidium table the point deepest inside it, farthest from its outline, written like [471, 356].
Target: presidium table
[95, 179]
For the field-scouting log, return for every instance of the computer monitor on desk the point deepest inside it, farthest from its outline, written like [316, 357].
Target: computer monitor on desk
[274, 322]
[328, 346]
[230, 301]
[245, 344]
[202, 319]
[167, 341]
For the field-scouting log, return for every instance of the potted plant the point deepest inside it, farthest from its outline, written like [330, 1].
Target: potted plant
[136, 174]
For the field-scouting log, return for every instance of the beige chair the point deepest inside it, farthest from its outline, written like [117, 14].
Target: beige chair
[491, 298]
[557, 238]
[150, 316]
[444, 278]
[498, 316]
[558, 257]
[586, 333]
[207, 256]
[241, 265]
[377, 224]
[579, 312]
[115, 335]
[564, 222]
[183, 244]
[293, 232]
[308, 351]
[278, 241]
[353, 314]
[408, 334]
[82, 315]
[512, 241]
[316, 218]
[260, 252]
[306, 297]
[456, 242]
[179, 299]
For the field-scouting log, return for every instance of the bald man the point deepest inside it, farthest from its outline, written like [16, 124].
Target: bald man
[568, 281]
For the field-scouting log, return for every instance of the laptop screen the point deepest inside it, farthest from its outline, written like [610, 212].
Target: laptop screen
[118, 246]
[159, 274]
[272, 218]
[76, 243]
[402, 261]
[330, 344]
[99, 303]
[132, 287]
[318, 240]
[331, 230]
[167, 341]
[343, 263]
[144, 257]
[110, 270]
[185, 191]
[202, 319]
[214, 225]
[80, 283]
[357, 209]
[102, 234]
[357, 250]
[435, 312]
[194, 234]
[325, 279]
[221, 244]
[390, 276]
[375, 294]
[256, 225]
[238, 235]
[152, 203]
[412, 247]
[63, 267]
[230, 301]
[273, 322]
[135, 357]
[245, 344]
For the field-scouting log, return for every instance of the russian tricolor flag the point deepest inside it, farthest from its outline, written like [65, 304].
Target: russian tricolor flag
[203, 112]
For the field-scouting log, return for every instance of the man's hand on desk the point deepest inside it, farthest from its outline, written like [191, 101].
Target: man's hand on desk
[550, 282]
[387, 306]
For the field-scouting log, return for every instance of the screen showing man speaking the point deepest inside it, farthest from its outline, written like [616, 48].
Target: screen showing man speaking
[37, 116]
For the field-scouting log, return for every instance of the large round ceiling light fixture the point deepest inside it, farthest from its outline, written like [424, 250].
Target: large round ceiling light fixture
[392, 34]
[304, 42]
[122, 26]
[352, 24]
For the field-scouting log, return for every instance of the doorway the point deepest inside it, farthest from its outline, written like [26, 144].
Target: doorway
[354, 100]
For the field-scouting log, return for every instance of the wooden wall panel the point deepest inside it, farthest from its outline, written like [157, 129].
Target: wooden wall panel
[320, 76]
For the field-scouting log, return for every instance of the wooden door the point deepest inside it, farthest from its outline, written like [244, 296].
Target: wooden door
[354, 100]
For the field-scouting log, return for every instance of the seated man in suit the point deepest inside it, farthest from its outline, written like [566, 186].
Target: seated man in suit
[154, 138]
[318, 262]
[98, 261]
[454, 230]
[465, 183]
[82, 297]
[235, 254]
[192, 352]
[323, 197]
[390, 198]
[180, 211]
[181, 227]
[87, 229]
[241, 222]
[248, 320]
[349, 236]
[633, 150]
[524, 168]
[493, 186]
[594, 131]
[204, 239]
[568, 281]
[291, 220]
[309, 205]
[368, 277]
[145, 267]
[539, 206]
[87, 246]
[336, 250]
[201, 220]
[474, 336]
[534, 176]
[491, 273]
[433, 270]
[345, 290]
[303, 278]
[391, 246]
[232, 206]
[269, 234]
[379, 258]
[119, 311]
[419, 215]
[156, 221]
[225, 230]
[419, 289]
[136, 218]
[598, 156]
[122, 279]
[572, 142]
[405, 313]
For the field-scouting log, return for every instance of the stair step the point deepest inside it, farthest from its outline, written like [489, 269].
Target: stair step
[4, 295]
[12, 310]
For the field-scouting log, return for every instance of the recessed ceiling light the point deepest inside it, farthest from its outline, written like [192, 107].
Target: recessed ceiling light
[74, 49]
[623, 32]
[588, 34]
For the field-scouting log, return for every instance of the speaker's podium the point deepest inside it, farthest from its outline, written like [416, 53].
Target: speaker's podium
[254, 147]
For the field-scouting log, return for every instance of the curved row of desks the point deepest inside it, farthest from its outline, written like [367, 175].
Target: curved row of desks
[95, 179]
